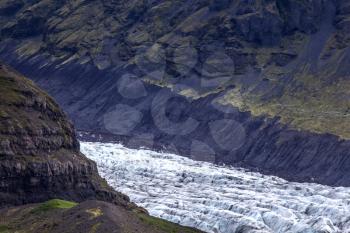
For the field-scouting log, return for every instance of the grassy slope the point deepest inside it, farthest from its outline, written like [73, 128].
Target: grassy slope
[64, 216]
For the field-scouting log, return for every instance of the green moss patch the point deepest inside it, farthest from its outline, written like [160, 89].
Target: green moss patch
[4, 229]
[54, 204]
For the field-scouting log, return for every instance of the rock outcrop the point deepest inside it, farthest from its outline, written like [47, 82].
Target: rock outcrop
[39, 153]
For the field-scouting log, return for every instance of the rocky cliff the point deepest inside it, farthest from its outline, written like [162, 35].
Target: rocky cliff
[262, 84]
[39, 153]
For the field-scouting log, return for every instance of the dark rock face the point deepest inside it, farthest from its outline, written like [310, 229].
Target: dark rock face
[270, 78]
[31, 182]
[302, 16]
[39, 152]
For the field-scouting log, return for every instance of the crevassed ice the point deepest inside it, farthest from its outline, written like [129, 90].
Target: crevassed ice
[220, 199]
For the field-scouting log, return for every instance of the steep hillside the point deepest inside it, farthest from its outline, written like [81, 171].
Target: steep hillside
[265, 82]
[40, 160]
[39, 152]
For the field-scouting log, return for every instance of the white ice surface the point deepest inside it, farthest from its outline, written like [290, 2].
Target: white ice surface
[220, 199]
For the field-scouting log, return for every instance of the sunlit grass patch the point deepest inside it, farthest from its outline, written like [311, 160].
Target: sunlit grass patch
[54, 204]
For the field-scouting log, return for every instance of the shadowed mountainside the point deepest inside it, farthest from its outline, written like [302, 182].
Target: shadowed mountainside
[277, 68]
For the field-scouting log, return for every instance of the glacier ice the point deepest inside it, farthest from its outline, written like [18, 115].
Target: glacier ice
[220, 199]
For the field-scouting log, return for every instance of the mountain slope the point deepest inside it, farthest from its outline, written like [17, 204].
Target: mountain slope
[272, 74]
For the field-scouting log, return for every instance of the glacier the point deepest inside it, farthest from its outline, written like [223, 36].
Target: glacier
[219, 199]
